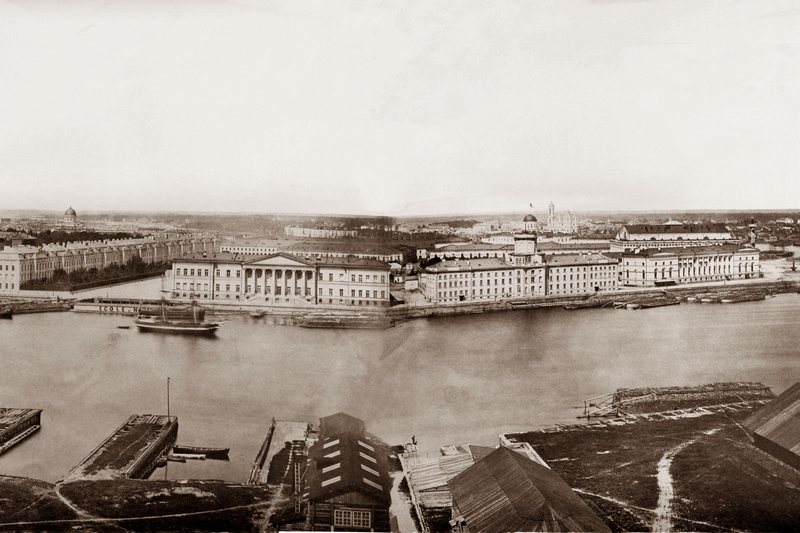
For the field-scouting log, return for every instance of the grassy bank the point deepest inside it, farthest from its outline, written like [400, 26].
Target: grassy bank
[133, 505]
[721, 481]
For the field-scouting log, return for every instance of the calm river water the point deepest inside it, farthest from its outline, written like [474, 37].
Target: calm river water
[461, 379]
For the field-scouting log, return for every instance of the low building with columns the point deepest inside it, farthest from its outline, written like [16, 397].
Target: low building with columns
[654, 267]
[282, 279]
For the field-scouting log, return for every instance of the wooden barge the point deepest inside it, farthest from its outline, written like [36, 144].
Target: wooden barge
[17, 425]
[132, 451]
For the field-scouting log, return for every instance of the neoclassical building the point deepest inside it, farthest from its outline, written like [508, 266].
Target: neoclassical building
[651, 267]
[670, 234]
[281, 279]
[521, 273]
[19, 264]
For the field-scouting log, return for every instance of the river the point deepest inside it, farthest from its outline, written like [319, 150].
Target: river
[445, 380]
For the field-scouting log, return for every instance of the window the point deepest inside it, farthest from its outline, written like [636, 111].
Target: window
[348, 517]
[360, 278]
[227, 273]
[330, 277]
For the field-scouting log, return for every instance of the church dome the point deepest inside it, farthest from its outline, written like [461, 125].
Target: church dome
[529, 218]
[70, 212]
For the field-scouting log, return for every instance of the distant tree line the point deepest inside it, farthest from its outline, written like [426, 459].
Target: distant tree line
[84, 278]
[51, 236]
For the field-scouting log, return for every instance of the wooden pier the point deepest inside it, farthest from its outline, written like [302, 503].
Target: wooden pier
[132, 451]
[16, 425]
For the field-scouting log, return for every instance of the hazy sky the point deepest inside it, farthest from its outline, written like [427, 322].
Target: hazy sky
[393, 107]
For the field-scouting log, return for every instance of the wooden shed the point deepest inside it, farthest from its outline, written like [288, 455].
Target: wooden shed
[506, 491]
[347, 485]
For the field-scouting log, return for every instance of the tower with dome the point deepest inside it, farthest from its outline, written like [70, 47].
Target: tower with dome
[525, 243]
[70, 218]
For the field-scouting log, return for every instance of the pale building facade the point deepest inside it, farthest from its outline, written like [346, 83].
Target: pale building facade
[282, 279]
[673, 266]
[319, 233]
[671, 234]
[20, 264]
[560, 222]
[521, 272]
[310, 249]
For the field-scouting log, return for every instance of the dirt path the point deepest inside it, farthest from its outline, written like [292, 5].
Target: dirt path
[666, 492]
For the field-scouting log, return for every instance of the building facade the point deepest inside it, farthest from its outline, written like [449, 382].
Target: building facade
[318, 233]
[19, 264]
[521, 271]
[632, 237]
[313, 249]
[282, 279]
[562, 222]
[651, 267]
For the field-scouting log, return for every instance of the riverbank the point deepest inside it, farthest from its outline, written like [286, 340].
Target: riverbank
[324, 316]
[693, 469]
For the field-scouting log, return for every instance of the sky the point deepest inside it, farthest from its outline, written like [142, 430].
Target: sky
[399, 107]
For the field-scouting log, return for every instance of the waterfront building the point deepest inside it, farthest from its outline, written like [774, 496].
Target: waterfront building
[506, 491]
[632, 237]
[562, 222]
[281, 279]
[521, 271]
[651, 267]
[775, 428]
[347, 483]
[361, 250]
[20, 264]
[318, 233]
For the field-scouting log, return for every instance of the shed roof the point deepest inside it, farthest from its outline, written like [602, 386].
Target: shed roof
[779, 420]
[347, 462]
[506, 491]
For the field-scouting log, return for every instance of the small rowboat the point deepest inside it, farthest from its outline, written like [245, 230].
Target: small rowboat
[207, 453]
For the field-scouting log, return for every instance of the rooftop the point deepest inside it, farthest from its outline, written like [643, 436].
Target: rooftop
[673, 227]
[506, 491]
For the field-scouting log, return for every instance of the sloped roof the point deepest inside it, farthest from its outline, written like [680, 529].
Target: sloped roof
[347, 462]
[779, 420]
[341, 422]
[506, 491]
[675, 228]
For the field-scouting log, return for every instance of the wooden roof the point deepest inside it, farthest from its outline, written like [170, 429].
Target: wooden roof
[779, 420]
[506, 491]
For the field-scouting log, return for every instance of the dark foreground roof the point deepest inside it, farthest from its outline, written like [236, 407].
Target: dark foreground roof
[676, 228]
[779, 423]
[506, 491]
[343, 463]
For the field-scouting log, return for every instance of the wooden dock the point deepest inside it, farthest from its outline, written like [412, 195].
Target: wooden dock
[16, 425]
[131, 451]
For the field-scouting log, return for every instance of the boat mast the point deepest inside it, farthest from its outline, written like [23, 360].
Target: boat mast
[167, 398]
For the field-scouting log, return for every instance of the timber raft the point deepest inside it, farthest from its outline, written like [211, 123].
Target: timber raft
[132, 451]
[16, 425]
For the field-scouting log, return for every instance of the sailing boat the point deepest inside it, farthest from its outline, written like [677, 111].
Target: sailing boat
[163, 323]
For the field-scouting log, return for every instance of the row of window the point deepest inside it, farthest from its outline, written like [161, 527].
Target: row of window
[353, 293]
